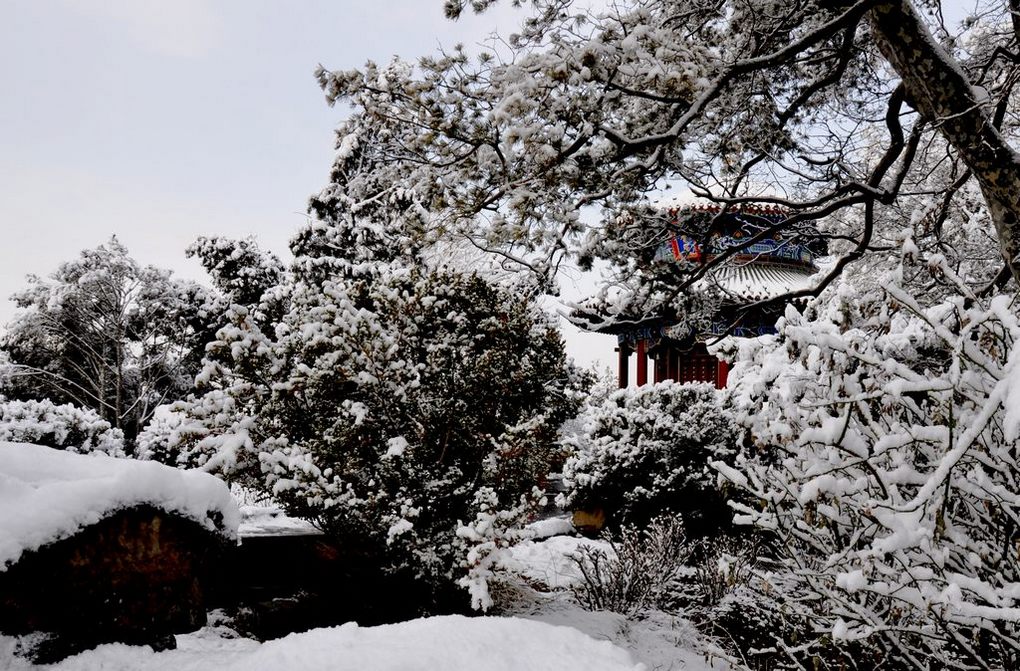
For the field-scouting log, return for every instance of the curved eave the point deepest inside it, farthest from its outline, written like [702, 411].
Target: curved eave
[589, 321]
[743, 283]
[753, 282]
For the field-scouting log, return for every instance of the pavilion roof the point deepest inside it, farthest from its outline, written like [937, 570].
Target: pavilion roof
[751, 282]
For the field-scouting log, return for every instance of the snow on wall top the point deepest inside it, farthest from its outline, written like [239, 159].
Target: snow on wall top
[47, 495]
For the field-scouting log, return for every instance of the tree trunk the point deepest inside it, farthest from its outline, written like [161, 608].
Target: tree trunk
[119, 399]
[941, 92]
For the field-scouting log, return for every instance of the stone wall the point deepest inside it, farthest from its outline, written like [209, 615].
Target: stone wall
[138, 576]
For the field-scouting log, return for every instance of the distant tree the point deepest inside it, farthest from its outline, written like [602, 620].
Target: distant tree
[105, 333]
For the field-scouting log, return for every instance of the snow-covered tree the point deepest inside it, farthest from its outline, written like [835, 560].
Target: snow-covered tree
[105, 333]
[893, 484]
[393, 403]
[239, 269]
[245, 280]
[818, 107]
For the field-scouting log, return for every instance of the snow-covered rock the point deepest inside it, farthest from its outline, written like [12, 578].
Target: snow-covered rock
[47, 495]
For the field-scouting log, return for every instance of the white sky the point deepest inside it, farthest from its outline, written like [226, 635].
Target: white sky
[163, 120]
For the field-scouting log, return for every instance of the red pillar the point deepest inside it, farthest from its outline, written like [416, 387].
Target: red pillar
[642, 363]
[722, 374]
[624, 366]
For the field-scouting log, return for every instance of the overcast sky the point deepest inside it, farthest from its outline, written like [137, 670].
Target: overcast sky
[163, 120]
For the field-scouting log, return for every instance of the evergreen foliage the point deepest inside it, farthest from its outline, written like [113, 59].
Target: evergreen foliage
[239, 269]
[392, 403]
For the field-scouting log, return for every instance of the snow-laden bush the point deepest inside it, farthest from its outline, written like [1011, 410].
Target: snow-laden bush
[65, 427]
[647, 449]
[895, 490]
[639, 570]
[171, 437]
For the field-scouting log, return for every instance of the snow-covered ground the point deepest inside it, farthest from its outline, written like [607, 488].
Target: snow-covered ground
[659, 641]
[542, 629]
[448, 643]
[549, 632]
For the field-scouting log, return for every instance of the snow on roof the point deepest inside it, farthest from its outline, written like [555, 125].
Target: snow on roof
[749, 282]
[47, 495]
[271, 520]
[679, 200]
[687, 200]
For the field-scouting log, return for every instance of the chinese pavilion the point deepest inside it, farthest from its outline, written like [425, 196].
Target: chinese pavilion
[777, 263]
